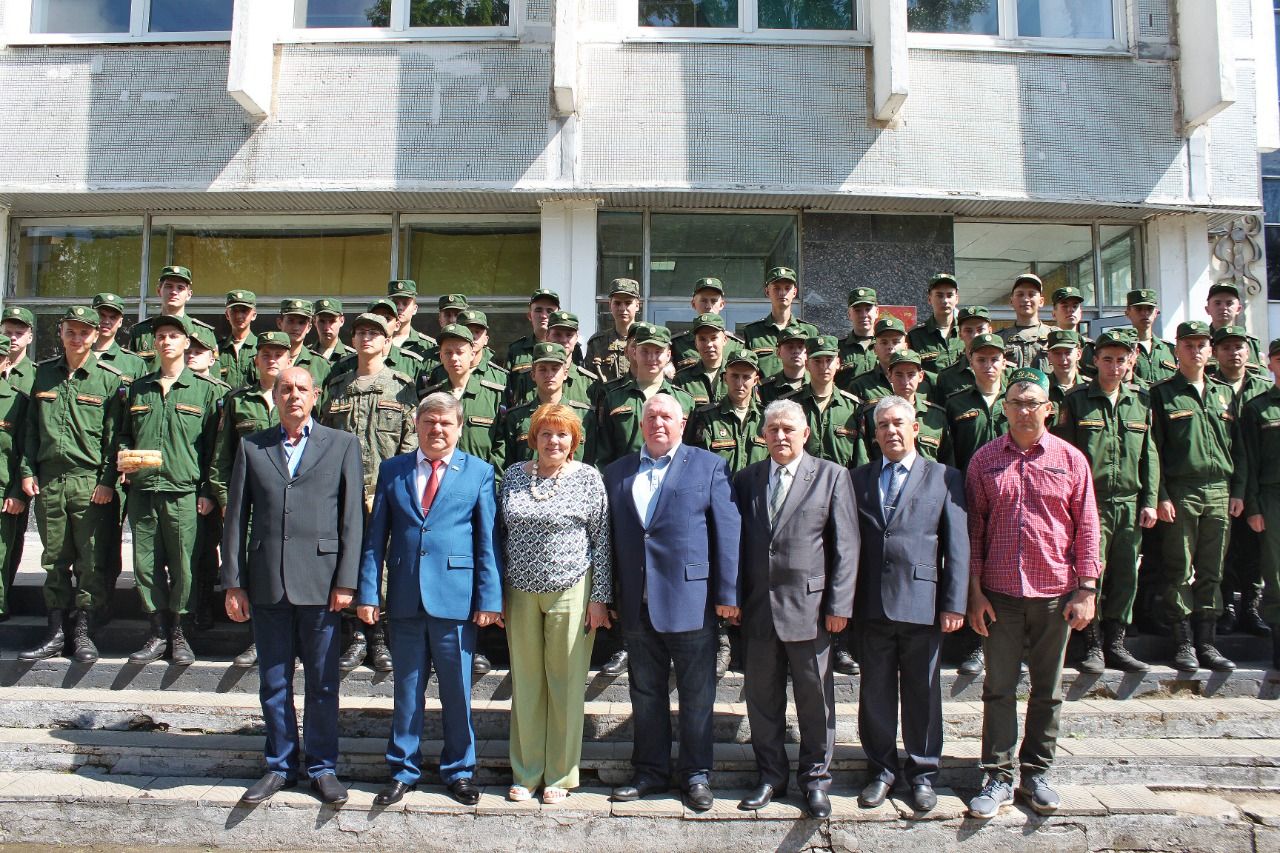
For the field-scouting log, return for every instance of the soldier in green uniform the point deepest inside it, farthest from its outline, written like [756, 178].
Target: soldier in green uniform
[581, 384]
[793, 356]
[782, 288]
[175, 291]
[235, 351]
[408, 362]
[176, 412]
[937, 339]
[1068, 313]
[295, 321]
[1226, 308]
[973, 320]
[376, 404]
[1192, 420]
[542, 304]
[201, 359]
[1154, 358]
[703, 379]
[551, 367]
[618, 413]
[730, 427]
[708, 298]
[1109, 421]
[606, 349]
[1065, 348]
[933, 441]
[1024, 341]
[13, 414]
[17, 325]
[856, 353]
[328, 322]
[1255, 488]
[69, 468]
[403, 293]
[449, 307]
[891, 337]
[482, 406]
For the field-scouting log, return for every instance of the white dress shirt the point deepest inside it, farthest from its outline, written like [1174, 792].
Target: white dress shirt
[648, 481]
[423, 471]
[906, 462]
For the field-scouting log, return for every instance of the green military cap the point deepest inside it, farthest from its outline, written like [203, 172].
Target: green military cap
[545, 294]
[376, 320]
[625, 286]
[1114, 338]
[708, 321]
[235, 298]
[1220, 335]
[1141, 297]
[329, 305]
[178, 320]
[1194, 329]
[22, 315]
[563, 320]
[548, 351]
[973, 312]
[906, 356]
[823, 345]
[1224, 287]
[1064, 339]
[655, 335]
[297, 306]
[457, 330]
[4, 344]
[743, 356]
[1062, 294]
[889, 324]
[203, 336]
[80, 314]
[108, 300]
[382, 303]
[793, 333]
[402, 287]
[635, 329]
[863, 296]
[1274, 348]
[709, 283]
[943, 278]
[1028, 278]
[451, 300]
[274, 339]
[175, 272]
[986, 340]
[472, 317]
[780, 274]
[1029, 374]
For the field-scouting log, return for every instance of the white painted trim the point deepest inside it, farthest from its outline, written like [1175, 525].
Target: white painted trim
[106, 221]
[747, 30]
[1008, 40]
[327, 36]
[1267, 88]
[305, 222]
[568, 258]
[469, 219]
[40, 39]
[251, 68]
[564, 83]
[889, 58]
[1207, 60]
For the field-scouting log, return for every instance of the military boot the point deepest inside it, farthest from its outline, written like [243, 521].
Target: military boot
[1210, 658]
[1091, 662]
[54, 640]
[157, 643]
[1248, 619]
[82, 639]
[379, 654]
[1184, 656]
[1114, 652]
[357, 647]
[181, 655]
[724, 652]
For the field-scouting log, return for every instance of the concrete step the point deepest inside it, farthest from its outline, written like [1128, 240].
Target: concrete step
[92, 809]
[239, 713]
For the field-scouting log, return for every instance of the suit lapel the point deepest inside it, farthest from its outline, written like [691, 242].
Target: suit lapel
[870, 496]
[313, 451]
[914, 477]
[275, 452]
[760, 488]
[795, 495]
[409, 483]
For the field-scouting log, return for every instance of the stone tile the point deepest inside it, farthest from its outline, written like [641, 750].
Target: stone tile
[723, 807]
[1094, 747]
[8, 778]
[298, 797]
[949, 806]
[226, 792]
[1265, 811]
[844, 806]
[361, 796]
[1154, 747]
[493, 801]
[174, 789]
[1078, 801]
[1205, 747]
[657, 805]
[1262, 747]
[434, 800]
[784, 809]
[591, 802]
[1130, 799]
[1199, 804]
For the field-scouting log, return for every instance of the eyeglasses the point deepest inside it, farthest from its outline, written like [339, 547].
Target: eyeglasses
[1025, 405]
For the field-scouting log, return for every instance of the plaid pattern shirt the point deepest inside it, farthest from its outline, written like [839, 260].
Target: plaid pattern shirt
[1033, 521]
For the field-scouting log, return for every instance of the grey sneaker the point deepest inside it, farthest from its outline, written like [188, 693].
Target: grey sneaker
[1035, 791]
[991, 799]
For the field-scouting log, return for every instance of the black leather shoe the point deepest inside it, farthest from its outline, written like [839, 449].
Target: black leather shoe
[843, 663]
[923, 798]
[615, 665]
[699, 797]
[465, 791]
[874, 794]
[638, 787]
[331, 791]
[264, 788]
[819, 804]
[479, 665]
[393, 793]
[247, 658]
[973, 665]
[759, 798]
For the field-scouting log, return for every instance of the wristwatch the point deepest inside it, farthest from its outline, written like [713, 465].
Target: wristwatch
[1092, 590]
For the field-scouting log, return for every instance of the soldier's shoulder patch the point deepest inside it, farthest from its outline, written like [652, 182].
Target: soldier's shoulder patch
[849, 396]
[723, 444]
[187, 408]
[46, 395]
[845, 431]
[1090, 423]
[1270, 424]
[578, 404]
[391, 405]
[1136, 426]
[1172, 365]
[110, 368]
[930, 440]
[588, 374]
[478, 420]
[90, 399]
[412, 355]
[50, 360]
[402, 377]
[520, 368]
[764, 350]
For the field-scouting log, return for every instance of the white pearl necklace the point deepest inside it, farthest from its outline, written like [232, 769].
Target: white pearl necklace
[534, 480]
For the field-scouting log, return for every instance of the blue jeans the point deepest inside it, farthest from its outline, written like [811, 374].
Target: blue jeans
[652, 654]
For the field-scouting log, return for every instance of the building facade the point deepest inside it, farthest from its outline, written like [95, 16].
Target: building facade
[491, 147]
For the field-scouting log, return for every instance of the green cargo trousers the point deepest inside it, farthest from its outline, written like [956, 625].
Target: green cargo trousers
[1118, 546]
[69, 523]
[1195, 544]
[12, 529]
[164, 544]
[1269, 501]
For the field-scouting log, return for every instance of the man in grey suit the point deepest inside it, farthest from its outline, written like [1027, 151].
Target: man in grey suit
[291, 552]
[797, 571]
[912, 588]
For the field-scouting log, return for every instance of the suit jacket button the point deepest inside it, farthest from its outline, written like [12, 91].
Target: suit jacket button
[424, 553]
[286, 537]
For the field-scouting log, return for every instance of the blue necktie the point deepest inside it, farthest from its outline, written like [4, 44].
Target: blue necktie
[891, 491]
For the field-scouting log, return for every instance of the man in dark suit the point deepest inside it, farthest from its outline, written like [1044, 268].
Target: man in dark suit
[912, 588]
[798, 568]
[291, 552]
[675, 569]
[433, 526]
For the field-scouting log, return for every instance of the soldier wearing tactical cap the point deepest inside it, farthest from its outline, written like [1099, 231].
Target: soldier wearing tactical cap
[1109, 421]
[702, 380]
[606, 349]
[1025, 340]
[933, 441]
[201, 358]
[377, 405]
[403, 293]
[937, 339]
[1225, 307]
[13, 524]
[581, 384]
[542, 304]
[1068, 314]
[793, 356]
[449, 307]
[857, 355]
[1192, 422]
[295, 321]
[891, 337]
[1154, 358]
[782, 288]
[236, 350]
[1065, 348]
[973, 320]
[329, 320]
[618, 412]
[17, 325]
[550, 369]
[174, 289]
[110, 308]
[69, 468]
[408, 362]
[708, 298]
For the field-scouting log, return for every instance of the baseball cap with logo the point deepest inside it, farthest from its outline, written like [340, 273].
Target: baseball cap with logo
[175, 272]
[451, 300]
[236, 298]
[108, 300]
[986, 341]
[780, 274]
[823, 345]
[376, 320]
[653, 335]
[1194, 329]
[457, 330]
[943, 278]
[22, 315]
[863, 296]
[889, 324]
[708, 321]
[1114, 338]
[635, 329]
[1029, 374]
[709, 283]
[624, 286]
[973, 312]
[1141, 297]
[548, 351]
[793, 333]
[273, 338]
[1062, 294]
[297, 306]
[79, 313]
[402, 287]
[178, 320]
[563, 320]
[329, 305]
[743, 356]
[1220, 335]
[544, 294]
[1064, 339]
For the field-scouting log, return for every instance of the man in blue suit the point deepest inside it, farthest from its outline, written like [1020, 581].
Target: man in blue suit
[433, 526]
[675, 559]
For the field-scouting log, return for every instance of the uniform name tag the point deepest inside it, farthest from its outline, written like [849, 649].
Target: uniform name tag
[1172, 365]
[969, 415]
[521, 368]
[1091, 423]
[621, 410]
[480, 421]
[1180, 414]
[755, 439]
[1136, 426]
[845, 431]
[190, 410]
[723, 444]
[91, 399]
[46, 395]
[340, 406]
[133, 409]
[764, 350]
[1271, 425]
[929, 440]
[392, 405]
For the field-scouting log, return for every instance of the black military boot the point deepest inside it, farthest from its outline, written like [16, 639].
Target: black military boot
[379, 653]
[156, 644]
[842, 660]
[81, 638]
[1248, 619]
[181, 653]
[1091, 662]
[1227, 621]
[724, 652]
[54, 640]
[974, 664]
[1210, 658]
[1114, 652]
[615, 665]
[1184, 655]
[353, 655]
[247, 658]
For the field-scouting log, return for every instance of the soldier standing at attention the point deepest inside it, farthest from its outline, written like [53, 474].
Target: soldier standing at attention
[891, 337]
[793, 356]
[175, 291]
[1155, 359]
[295, 321]
[408, 362]
[933, 441]
[403, 293]
[856, 354]
[449, 307]
[730, 428]
[974, 320]
[708, 298]
[580, 384]
[551, 367]
[1065, 348]
[1068, 313]
[13, 414]
[328, 322]
[1192, 420]
[937, 339]
[201, 358]
[482, 406]
[606, 350]
[703, 379]
[69, 468]
[1025, 340]
[1225, 308]
[618, 415]
[17, 324]
[376, 404]
[542, 304]
[782, 287]
[235, 351]
[1109, 421]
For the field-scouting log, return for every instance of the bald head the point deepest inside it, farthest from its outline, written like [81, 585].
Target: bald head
[295, 397]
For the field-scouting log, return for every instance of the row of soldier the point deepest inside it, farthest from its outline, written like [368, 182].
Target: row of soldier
[181, 392]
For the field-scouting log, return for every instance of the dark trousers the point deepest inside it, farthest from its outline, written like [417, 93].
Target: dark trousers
[1242, 569]
[768, 660]
[283, 633]
[653, 653]
[1036, 625]
[901, 664]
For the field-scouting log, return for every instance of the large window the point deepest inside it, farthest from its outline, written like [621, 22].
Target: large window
[77, 258]
[1091, 23]
[400, 15]
[736, 17]
[131, 18]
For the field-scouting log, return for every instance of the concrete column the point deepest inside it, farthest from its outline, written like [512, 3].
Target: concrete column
[4, 253]
[1178, 268]
[568, 254]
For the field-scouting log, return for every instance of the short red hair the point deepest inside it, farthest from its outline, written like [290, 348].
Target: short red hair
[558, 418]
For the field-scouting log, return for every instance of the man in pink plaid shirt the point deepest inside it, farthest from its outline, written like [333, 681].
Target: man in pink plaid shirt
[1033, 576]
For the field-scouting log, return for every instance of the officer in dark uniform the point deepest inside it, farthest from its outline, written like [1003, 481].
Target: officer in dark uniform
[606, 349]
[1024, 341]
[782, 288]
[937, 339]
[235, 351]
[856, 353]
[175, 289]
[793, 356]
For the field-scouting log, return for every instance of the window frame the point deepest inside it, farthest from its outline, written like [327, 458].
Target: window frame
[19, 21]
[298, 33]
[1007, 39]
[747, 30]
